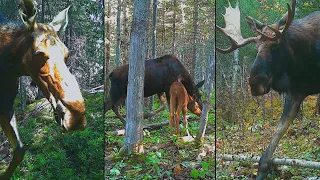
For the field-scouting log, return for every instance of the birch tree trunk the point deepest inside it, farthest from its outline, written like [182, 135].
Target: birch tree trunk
[107, 12]
[208, 95]
[234, 81]
[138, 46]
[235, 71]
[118, 34]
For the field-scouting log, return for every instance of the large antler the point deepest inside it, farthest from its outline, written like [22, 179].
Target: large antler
[288, 18]
[233, 30]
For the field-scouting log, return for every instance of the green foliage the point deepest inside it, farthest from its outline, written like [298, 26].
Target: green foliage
[205, 170]
[53, 154]
[157, 164]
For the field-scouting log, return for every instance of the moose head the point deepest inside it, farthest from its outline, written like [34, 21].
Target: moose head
[44, 61]
[271, 44]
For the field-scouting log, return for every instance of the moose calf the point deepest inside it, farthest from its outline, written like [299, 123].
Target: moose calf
[180, 100]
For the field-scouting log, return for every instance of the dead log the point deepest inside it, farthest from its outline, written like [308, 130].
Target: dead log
[38, 109]
[96, 90]
[275, 161]
[147, 126]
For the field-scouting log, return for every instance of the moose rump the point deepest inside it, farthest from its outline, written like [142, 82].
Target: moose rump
[160, 73]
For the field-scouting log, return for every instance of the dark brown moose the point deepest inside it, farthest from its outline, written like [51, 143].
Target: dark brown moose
[288, 61]
[35, 50]
[160, 73]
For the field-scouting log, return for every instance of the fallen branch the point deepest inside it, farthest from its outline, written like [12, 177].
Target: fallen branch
[275, 161]
[148, 126]
[37, 109]
[95, 90]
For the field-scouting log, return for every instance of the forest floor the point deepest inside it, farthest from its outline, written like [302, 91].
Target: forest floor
[53, 154]
[165, 156]
[252, 135]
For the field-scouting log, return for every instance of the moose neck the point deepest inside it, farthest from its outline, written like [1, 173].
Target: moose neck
[13, 49]
[296, 64]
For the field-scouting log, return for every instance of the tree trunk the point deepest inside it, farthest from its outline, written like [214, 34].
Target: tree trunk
[234, 81]
[42, 11]
[174, 26]
[154, 43]
[107, 39]
[138, 46]
[206, 103]
[118, 34]
[163, 28]
[125, 36]
[23, 94]
[235, 71]
[195, 31]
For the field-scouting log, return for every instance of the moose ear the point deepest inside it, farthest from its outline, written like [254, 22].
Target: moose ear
[200, 84]
[60, 22]
[28, 13]
[254, 24]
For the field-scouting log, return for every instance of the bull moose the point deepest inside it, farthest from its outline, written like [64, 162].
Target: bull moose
[34, 49]
[160, 73]
[287, 61]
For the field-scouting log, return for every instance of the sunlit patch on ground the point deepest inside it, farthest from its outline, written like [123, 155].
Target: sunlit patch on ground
[252, 135]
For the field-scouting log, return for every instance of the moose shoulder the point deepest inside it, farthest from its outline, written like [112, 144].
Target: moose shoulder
[287, 60]
[160, 73]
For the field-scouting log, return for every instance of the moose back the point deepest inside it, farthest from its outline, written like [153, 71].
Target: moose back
[160, 73]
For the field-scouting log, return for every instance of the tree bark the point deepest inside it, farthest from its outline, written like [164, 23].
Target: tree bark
[208, 95]
[138, 46]
[163, 28]
[154, 43]
[125, 36]
[107, 39]
[23, 94]
[195, 31]
[174, 26]
[275, 161]
[118, 35]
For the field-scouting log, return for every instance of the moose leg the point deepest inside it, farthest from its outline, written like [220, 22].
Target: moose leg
[163, 106]
[179, 109]
[171, 122]
[185, 121]
[115, 109]
[291, 107]
[172, 114]
[9, 126]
